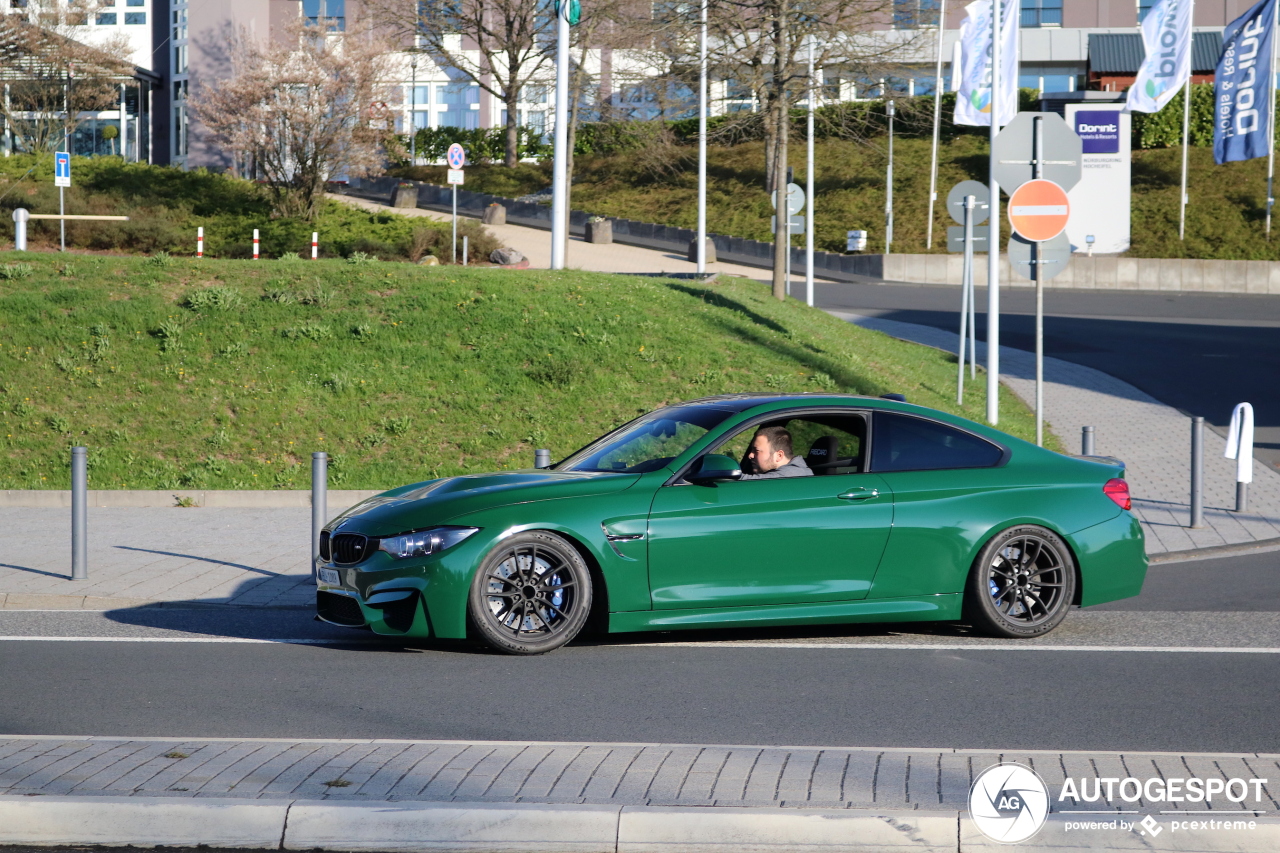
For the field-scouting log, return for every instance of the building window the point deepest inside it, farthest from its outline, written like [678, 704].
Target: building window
[106, 19]
[135, 2]
[180, 59]
[180, 25]
[135, 17]
[1041, 13]
[462, 104]
[914, 14]
[1145, 6]
[332, 12]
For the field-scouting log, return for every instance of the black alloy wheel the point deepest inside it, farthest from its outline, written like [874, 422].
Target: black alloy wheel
[531, 595]
[1022, 583]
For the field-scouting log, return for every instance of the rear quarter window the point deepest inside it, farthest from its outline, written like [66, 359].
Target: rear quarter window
[905, 443]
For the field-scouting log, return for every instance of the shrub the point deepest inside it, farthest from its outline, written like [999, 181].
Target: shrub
[215, 298]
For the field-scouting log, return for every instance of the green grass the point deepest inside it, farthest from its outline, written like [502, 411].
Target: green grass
[179, 373]
[1224, 218]
[166, 205]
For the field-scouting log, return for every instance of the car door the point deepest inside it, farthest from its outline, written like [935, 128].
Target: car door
[948, 486]
[775, 541]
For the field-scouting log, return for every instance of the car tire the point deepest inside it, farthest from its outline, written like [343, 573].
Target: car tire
[1022, 583]
[531, 595]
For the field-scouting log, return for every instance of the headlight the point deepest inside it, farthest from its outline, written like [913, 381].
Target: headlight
[424, 542]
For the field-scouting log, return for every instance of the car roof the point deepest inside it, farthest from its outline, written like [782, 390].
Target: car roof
[744, 401]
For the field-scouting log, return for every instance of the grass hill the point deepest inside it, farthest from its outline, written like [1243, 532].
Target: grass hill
[1224, 218]
[227, 374]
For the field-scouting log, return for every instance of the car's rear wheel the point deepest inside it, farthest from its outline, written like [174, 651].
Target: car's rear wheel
[531, 595]
[1022, 583]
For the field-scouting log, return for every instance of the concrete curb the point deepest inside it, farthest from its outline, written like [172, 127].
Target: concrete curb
[99, 603]
[1231, 550]
[493, 827]
[337, 499]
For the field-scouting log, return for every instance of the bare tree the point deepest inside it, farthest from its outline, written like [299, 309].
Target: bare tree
[764, 46]
[50, 79]
[304, 107]
[500, 45]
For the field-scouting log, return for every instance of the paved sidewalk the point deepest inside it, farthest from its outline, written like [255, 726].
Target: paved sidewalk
[535, 244]
[212, 555]
[580, 773]
[1154, 441]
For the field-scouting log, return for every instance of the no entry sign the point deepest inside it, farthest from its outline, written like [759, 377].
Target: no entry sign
[1038, 210]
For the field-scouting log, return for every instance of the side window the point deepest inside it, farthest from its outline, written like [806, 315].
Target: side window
[828, 443]
[904, 443]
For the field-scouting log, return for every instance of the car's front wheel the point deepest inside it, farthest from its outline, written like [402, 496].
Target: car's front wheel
[531, 595]
[1022, 583]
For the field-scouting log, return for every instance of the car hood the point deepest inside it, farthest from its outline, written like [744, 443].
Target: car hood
[437, 501]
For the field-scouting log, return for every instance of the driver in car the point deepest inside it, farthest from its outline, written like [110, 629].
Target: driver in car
[772, 456]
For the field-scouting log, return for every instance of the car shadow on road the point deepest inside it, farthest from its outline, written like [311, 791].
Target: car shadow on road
[218, 620]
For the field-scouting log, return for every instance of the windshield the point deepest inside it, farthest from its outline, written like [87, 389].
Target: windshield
[647, 443]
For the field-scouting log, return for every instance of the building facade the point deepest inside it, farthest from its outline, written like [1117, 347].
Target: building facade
[1065, 45]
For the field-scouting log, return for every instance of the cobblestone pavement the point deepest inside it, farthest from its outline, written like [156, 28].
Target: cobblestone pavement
[624, 774]
[214, 555]
[1153, 440]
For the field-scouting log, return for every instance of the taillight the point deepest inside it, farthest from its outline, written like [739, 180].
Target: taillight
[1118, 491]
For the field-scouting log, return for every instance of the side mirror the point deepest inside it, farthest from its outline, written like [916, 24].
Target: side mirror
[713, 467]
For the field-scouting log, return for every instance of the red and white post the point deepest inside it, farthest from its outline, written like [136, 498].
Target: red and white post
[200, 241]
[315, 244]
[255, 244]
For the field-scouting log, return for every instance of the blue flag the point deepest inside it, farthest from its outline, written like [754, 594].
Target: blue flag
[1242, 91]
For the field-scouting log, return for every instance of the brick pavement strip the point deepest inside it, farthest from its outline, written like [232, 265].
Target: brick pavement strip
[622, 774]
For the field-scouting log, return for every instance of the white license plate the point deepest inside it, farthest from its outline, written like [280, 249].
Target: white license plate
[330, 576]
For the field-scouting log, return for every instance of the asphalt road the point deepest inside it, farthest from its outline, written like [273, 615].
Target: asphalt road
[1189, 666]
[1200, 353]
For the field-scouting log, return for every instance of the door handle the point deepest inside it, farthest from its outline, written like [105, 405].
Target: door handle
[859, 494]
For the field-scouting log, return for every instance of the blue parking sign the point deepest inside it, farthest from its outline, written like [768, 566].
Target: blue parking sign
[62, 169]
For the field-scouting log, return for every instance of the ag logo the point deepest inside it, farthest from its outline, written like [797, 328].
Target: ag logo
[1009, 803]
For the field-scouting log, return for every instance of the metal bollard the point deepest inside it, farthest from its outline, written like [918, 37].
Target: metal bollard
[1197, 472]
[79, 513]
[542, 459]
[1086, 441]
[319, 501]
[1242, 497]
[20, 217]
[464, 250]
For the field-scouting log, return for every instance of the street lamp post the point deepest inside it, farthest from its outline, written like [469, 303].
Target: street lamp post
[413, 110]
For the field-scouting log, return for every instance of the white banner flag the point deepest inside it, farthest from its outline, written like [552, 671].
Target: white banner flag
[973, 101]
[1166, 35]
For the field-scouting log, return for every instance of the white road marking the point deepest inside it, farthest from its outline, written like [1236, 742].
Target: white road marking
[728, 644]
[289, 640]
[969, 647]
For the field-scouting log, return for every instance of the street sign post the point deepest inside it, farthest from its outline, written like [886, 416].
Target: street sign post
[62, 180]
[1059, 157]
[1038, 210]
[981, 198]
[981, 237]
[1041, 261]
[1042, 156]
[457, 158]
[62, 169]
[795, 224]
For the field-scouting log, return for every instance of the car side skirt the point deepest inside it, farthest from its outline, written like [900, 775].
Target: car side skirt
[925, 608]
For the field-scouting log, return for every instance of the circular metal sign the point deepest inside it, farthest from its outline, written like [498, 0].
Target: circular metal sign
[1047, 259]
[1038, 210]
[795, 199]
[981, 201]
[456, 156]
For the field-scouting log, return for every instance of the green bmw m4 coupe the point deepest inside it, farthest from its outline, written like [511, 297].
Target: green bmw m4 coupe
[852, 509]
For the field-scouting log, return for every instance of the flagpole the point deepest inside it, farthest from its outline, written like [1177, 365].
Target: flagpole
[1186, 120]
[937, 118]
[1271, 129]
[702, 142]
[560, 165]
[993, 241]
